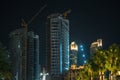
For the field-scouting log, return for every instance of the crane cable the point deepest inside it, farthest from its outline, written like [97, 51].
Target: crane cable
[36, 14]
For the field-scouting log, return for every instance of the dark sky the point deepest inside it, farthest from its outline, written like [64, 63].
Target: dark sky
[89, 19]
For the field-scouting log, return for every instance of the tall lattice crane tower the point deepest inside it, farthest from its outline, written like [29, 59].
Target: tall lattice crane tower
[25, 25]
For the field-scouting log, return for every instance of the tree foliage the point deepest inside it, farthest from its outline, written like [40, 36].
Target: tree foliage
[4, 64]
[102, 61]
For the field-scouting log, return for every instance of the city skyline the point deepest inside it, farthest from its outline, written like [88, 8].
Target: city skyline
[89, 20]
[37, 36]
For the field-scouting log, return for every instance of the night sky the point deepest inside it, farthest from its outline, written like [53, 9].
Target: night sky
[89, 19]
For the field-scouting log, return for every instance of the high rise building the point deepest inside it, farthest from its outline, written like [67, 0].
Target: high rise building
[57, 46]
[33, 57]
[95, 46]
[25, 65]
[36, 53]
[73, 53]
[82, 56]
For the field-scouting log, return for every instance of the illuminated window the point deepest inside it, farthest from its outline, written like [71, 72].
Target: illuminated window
[82, 49]
[84, 61]
[83, 55]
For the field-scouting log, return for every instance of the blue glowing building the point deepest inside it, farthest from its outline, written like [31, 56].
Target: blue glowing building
[73, 53]
[82, 56]
[57, 46]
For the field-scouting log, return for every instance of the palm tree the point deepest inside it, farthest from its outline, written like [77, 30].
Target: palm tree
[98, 62]
[102, 61]
[112, 62]
[84, 74]
[89, 71]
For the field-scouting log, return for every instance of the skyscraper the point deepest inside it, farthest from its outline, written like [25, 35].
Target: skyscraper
[36, 53]
[25, 66]
[57, 46]
[95, 46]
[82, 56]
[73, 53]
[16, 44]
[33, 57]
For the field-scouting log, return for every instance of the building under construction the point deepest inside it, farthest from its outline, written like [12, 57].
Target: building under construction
[57, 46]
[24, 58]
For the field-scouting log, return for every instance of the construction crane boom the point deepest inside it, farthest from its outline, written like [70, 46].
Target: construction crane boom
[25, 28]
[66, 13]
[36, 14]
[25, 24]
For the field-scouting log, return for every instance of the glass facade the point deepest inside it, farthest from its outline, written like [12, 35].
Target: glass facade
[82, 56]
[57, 46]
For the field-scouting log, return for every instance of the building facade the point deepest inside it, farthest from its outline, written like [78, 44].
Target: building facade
[95, 46]
[82, 55]
[36, 54]
[57, 46]
[73, 72]
[73, 53]
[24, 58]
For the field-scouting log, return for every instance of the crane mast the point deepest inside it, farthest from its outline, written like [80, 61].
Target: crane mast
[25, 25]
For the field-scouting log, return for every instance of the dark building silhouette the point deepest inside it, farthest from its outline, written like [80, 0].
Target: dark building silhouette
[25, 65]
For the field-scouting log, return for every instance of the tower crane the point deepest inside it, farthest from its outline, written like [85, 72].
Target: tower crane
[25, 25]
[66, 13]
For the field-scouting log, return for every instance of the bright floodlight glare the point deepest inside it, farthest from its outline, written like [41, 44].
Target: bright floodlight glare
[44, 75]
[41, 74]
[47, 74]
[118, 72]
